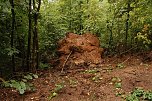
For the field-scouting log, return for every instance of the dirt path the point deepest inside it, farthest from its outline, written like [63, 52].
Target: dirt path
[111, 81]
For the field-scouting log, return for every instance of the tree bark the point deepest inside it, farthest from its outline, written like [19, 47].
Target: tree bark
[35, 57]
[80, 18]
[127, 23]
[12, 33]
[29, 38]
[70, 25]
[21, 48]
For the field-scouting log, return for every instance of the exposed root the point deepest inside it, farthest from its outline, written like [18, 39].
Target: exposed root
[66, 61]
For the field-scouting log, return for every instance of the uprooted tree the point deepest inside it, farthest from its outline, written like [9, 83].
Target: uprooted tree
[79, 51]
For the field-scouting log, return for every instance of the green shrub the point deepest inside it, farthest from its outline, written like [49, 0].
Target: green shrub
[22, 85]
[138, 94]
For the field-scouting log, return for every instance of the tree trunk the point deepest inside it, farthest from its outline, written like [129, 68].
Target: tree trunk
[23, 53]
[35, 56]
[80, 18]
[127, 23]
[37, 41]
[70, 25]
[12, 33]
[29, 38]
[21, 48]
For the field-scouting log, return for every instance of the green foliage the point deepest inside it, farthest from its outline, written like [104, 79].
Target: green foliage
[138, 94]
[73, 83]
[72, 16]
[18, 85]
[147, 95]
[5, 22]
[12, 51]
[117, 82]
[96, 78]
[120, 66]
[22, 85]
[58, 87]
[143, 37]
[44, 65]
[30, 76]
[20, 32]
[91, 71]
[56, 90]
[116, 79]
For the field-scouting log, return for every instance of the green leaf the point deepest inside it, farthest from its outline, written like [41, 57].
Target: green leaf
[21, 91]
[114, 79]
[28, 87]
[91, 71]
[29, 77]
[24, 80]
[138, 92]
[35, 76]
[15, 84]
[23, 85]
[12, 51]
[54, 94]
[120, 66]
[132, 98]
[118, 85]
[147, 95]
[12, 81]
[6, 84]
[58, 87]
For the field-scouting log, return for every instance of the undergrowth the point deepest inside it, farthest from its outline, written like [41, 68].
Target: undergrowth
[55, 91]
[21, 85]
[139, 95]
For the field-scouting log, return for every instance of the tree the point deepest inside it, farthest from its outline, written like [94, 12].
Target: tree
[29, 36]
[35, 36]
[12, 32]
[33, 55]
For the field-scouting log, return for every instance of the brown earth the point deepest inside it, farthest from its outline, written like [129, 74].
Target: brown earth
[82, 75]
[89, 84]
[79, 50]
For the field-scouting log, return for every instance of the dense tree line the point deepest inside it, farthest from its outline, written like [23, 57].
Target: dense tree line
[29, 28]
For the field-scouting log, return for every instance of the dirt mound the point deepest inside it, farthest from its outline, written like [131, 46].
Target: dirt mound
[76, 50]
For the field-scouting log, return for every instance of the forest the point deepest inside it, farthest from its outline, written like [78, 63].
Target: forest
[76, 50]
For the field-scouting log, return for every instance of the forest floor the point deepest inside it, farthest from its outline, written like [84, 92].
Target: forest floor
[112, 80]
